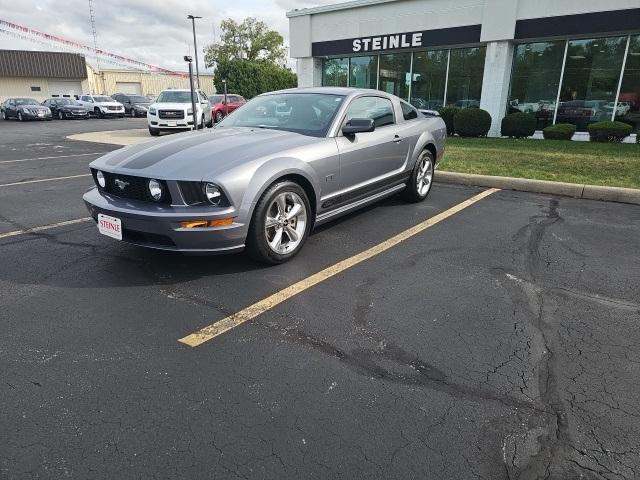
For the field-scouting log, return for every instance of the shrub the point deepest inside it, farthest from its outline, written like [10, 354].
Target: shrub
[518, 125]
[608, 131]
[447, 114]
[559, 131]
[251, 78]
[472, 122]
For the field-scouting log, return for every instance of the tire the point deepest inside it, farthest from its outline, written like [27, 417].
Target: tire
[201, 123]
[219, 116]
[98, 112]
[267, 244]
[4, 115]
[210, 123]
[132, 113]
[154, 131]
[421, 180]
[20, 119]
[60, 115]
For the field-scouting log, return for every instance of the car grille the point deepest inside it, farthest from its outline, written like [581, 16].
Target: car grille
[145, 238]
[135, 188]
[191, 192]
[113, 108]
[171, 113]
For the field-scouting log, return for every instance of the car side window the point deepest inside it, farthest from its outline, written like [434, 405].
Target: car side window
[377, 108]
[408, 112]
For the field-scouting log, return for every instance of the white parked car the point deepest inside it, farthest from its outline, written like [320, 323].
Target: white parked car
[172, 110]
[101, 105]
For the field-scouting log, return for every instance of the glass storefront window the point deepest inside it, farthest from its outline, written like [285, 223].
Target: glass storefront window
[590, 82]
[395, 74]
[535, 79]
[466, 69]
[628, 108]
[428, 79]
[363, 72]
[335, 72]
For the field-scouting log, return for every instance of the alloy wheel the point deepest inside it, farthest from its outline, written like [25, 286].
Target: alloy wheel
[60, 116]
[285, 223]
[425, 175]
[20, 116]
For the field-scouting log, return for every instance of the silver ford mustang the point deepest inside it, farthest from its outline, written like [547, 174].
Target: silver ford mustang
[280, 165]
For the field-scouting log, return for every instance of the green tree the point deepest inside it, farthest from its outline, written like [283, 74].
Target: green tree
[251, 78]
[250, 40]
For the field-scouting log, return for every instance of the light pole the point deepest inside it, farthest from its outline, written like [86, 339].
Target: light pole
[226, 102]
[194, 115]
[195, 46]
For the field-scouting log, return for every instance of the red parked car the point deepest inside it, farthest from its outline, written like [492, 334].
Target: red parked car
[218, 107]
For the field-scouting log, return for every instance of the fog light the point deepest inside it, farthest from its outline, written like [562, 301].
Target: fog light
[100, 178]
[155, 189]
[220, 222]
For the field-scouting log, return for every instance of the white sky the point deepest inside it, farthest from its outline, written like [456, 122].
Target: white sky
[151, 31]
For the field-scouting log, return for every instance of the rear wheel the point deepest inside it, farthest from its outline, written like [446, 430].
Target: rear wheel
[154, 132]
[419, 184]
[4, 115]
[210, 123]
[281, 223]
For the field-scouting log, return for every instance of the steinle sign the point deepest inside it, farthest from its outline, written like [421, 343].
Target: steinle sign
[388, 42]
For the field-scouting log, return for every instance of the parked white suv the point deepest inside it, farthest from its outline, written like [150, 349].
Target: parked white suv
[101, 105]
[172, 110]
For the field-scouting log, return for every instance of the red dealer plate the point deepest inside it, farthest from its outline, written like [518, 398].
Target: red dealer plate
[110, 226]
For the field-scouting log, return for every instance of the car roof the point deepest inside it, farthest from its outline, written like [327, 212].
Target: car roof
[346, 91]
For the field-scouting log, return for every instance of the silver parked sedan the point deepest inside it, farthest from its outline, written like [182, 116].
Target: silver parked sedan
[280, 165]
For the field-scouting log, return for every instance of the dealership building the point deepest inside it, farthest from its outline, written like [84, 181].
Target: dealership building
[564, 61]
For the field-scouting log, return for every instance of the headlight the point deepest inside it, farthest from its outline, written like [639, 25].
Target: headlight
[155, 189]
[100, 178]
[190, 111]
[152, 111]
[213, 193]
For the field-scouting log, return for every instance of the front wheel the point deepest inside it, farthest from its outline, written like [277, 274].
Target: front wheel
[98, 112]
[20, 119]
[132, 113]
[419, 185]
[154, 132]
[60, 115]
[280, 225]
[4, 115]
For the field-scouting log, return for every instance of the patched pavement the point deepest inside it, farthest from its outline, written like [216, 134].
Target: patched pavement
[501, 343]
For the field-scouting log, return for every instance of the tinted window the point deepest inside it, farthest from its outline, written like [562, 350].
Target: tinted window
[408, 112]
[377, 108]
[305, 113]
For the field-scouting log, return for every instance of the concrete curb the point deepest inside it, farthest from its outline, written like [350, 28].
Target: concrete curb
[592, 192]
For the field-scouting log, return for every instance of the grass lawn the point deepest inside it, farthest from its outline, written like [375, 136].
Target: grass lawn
[610, 164]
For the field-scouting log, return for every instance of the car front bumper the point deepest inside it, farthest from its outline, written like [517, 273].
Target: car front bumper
[33, 116]
[158, 226]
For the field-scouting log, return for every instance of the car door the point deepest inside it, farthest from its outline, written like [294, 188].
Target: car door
[205, 105]
[371, 159]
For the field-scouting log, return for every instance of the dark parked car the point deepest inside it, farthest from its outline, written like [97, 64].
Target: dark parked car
[582, 112]
[24, 109]
[134, 105]
[219, 109]
[65, 108]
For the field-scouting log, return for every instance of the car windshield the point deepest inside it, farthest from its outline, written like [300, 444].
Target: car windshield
[216, 98]
[305, 113]
[26, 101]
[103, 99]
[138, 99]
[172, 96]
[65, 101]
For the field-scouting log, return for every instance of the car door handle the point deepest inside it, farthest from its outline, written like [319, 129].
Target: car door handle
[397, 139]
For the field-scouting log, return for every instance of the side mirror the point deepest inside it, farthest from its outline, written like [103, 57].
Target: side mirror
[358, 125]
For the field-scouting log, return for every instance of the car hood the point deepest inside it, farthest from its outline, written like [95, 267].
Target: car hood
[109, 104]
[200, 155]
[71, 107]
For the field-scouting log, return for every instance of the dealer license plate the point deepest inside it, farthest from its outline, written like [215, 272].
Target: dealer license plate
[172, 123]
[110, 226]
[40, 114]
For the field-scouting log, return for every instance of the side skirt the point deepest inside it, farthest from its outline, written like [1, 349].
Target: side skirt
[327, 216]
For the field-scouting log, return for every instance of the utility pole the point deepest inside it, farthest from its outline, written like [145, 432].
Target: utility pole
[195, 46]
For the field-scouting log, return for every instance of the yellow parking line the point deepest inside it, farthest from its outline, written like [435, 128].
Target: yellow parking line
[207, 333]
[44, 180]
[44, 227]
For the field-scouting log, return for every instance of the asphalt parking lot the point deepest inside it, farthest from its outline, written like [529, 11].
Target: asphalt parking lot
[501, 343]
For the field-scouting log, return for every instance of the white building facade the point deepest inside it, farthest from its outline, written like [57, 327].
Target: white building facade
[564, 61]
